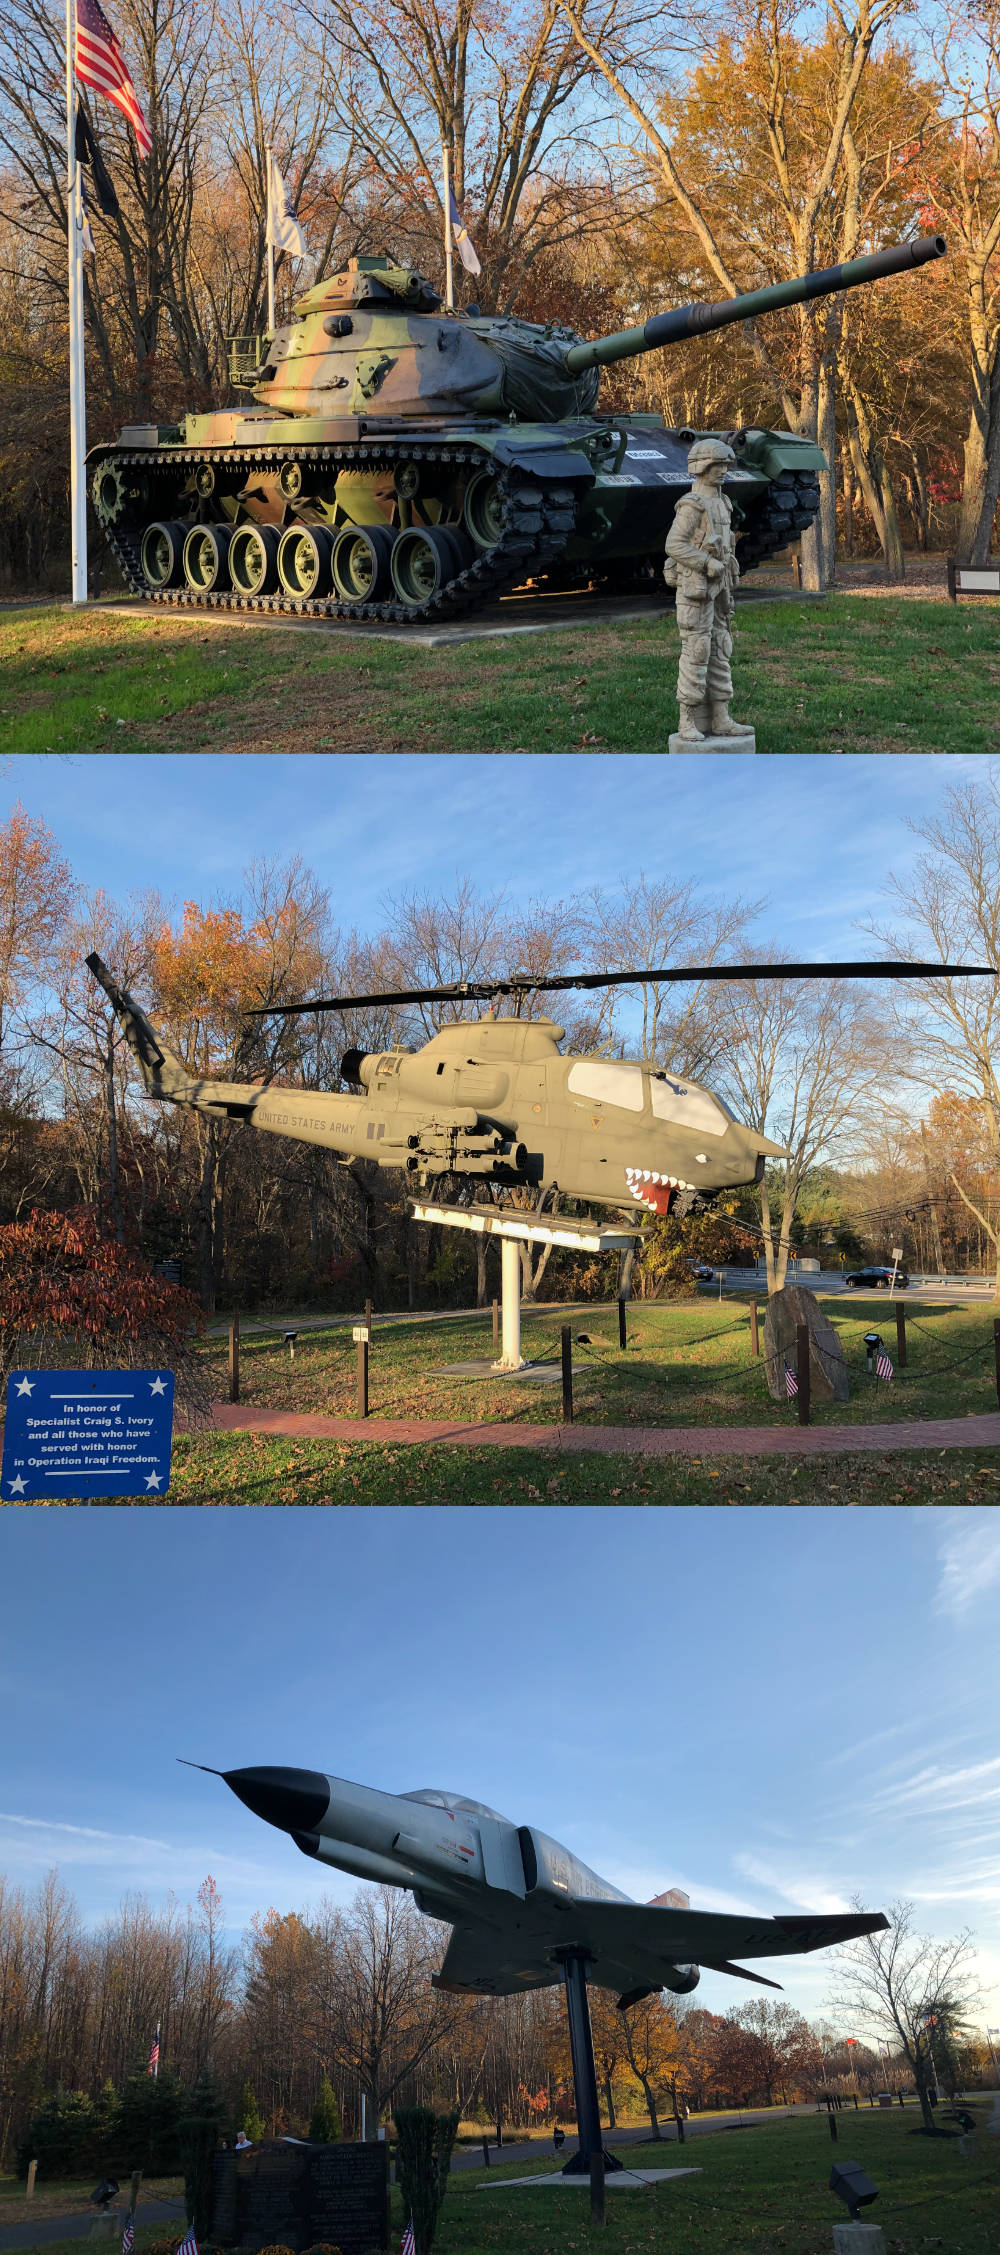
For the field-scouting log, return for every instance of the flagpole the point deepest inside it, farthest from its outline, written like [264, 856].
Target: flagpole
[77, 396]
[270, 246]
[449, 281]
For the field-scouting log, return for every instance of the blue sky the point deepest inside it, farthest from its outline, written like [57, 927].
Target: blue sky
[817, 836]
[773, 1709]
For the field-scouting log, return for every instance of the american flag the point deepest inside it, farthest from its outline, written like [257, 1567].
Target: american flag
[128, 2236]
[791, 1382]
[154, 2053]
[101, 64]
[188, 2245]
[883, 1366]
[407, 2245]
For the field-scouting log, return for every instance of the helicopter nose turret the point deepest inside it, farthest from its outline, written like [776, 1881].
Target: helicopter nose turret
[294, 1800]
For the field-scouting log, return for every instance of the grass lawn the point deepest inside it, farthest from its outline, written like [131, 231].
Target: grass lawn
[685, 1364]
[855, 674]
[253, 1468]
[70, 2196]
[759, 2191]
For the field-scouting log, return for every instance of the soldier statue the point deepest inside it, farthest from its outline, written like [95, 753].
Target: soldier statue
[701, 564]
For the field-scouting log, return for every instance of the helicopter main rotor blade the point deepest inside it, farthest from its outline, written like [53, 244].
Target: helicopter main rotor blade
[485, 990]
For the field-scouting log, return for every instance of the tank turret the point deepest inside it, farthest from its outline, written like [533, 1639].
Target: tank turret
[403, 462]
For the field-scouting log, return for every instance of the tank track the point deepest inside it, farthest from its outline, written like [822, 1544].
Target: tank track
[538, 520]
[787, 508]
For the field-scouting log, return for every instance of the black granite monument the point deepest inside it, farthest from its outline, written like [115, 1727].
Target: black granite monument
[296, 2195]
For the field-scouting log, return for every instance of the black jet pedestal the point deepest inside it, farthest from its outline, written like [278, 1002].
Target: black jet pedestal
[581, 2043]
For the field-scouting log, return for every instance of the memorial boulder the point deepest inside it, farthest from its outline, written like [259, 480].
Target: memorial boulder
[786, 1310]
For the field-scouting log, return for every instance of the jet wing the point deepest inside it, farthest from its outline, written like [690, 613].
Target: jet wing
[622, 1932]
[501, 1965]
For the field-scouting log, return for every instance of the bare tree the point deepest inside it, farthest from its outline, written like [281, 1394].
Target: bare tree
[951, 904]
[898, 1983]
[800, 1064]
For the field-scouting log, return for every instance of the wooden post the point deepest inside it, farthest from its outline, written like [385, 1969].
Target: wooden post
[496, 1329]
[362, 1377]
[30, 2188]
[368, 1317]
[567, 1374]
[802, 1370]
[622, 1324]
[133, 2192]
[754, 1332]
[900, 1335]
[234, 1358]
[832, 2119]
[597, 2183]
[486, 2153]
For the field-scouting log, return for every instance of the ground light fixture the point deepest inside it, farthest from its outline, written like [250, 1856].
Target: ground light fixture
[849, 2182]
[873, 1341]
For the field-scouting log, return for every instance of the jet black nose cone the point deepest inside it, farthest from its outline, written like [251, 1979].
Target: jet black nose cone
[294, 1800]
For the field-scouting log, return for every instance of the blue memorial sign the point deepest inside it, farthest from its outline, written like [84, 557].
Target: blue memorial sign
[86, 1433]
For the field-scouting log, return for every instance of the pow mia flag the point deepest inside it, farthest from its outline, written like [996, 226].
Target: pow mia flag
[88, 152]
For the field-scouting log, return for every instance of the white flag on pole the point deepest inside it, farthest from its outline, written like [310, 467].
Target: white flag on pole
[285, 232]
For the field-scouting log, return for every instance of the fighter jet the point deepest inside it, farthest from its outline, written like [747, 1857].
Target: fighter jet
[524, 1912]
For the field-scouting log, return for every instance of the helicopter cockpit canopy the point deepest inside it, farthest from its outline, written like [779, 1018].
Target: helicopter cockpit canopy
[607, 1081]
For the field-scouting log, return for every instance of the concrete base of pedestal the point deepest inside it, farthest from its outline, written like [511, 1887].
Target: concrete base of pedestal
[713, 744]
[858, 2239]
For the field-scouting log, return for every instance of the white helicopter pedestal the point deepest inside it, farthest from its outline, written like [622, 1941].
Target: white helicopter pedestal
[514, 1230]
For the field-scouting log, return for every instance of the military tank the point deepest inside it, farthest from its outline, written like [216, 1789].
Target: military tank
[403, 463]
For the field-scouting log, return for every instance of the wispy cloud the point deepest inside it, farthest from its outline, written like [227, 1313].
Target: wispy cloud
[935, 1789]
[80, 1831]
[968, 1558]
[802, 1889]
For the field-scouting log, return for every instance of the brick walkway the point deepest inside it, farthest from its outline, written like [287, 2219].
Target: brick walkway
[634, 1440]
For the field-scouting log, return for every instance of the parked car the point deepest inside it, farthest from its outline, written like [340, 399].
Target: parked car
[873, 1279]
[702, 1273]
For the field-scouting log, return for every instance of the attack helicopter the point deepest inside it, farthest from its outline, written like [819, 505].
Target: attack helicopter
[496, 1102]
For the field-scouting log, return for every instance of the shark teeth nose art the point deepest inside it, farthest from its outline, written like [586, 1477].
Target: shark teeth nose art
[654, 1191]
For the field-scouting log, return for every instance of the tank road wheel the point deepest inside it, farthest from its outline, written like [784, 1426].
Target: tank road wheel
[423, 562]
[304, 553]
[290, 480]
[206, 558]
[253, 559]
[361, 563]
[162, 555]
[482, 511]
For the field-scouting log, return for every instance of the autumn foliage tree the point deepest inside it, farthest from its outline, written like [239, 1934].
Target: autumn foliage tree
[68, 1294]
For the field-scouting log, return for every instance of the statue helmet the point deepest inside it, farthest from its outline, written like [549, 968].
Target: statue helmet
[707, 451]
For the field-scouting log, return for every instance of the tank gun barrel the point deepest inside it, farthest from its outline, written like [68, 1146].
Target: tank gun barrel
[696, 320]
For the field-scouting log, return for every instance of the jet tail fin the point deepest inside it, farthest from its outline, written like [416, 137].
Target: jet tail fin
[163, 1074]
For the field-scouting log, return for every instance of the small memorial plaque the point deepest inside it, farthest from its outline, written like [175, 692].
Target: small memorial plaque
[88, 1433]
[298, 2195]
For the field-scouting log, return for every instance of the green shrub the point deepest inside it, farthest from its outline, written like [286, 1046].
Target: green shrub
[326, 2126]
[423, 2157]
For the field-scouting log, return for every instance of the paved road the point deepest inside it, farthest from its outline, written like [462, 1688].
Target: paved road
[629, 1440]
[977, 1291]
[540, 2149]
[78, 2227]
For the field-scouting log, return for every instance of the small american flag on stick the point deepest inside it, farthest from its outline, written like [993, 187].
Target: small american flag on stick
[791, 1382]
[883, 1366]
[188, 2245]
[154, 2053]
[100, 63]
[128, 2236]
[408, 2245]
